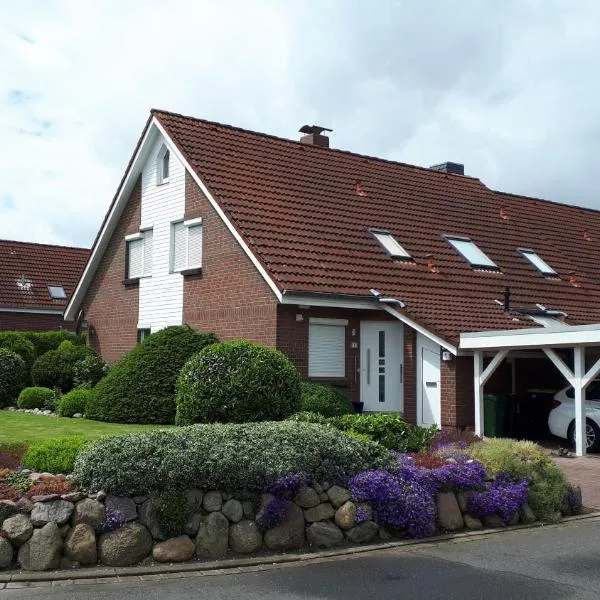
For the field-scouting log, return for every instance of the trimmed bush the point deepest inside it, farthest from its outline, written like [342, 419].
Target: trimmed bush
[54, 456]
[74, 402]
[237, 382]
[140, 388]
[11, 340]
[324, 399]
[35, 397]
[44, 341]
[230, 457]
[308, 417]
[525, 460]
[55, 369]
[172, 511]
[88, 371]
[13, 376]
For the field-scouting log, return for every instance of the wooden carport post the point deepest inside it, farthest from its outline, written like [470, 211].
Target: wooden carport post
[480, 377]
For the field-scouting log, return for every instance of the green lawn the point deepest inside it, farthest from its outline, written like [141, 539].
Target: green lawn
[25, 427]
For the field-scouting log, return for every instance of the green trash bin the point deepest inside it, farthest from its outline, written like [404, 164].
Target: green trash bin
[494, 415]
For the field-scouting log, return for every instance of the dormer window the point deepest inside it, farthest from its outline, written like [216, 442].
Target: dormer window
[472, 254]
[539, 263]
[390, 244]
[162, 165]
[57, 292]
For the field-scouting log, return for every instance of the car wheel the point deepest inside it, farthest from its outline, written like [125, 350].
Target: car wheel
[592, 435]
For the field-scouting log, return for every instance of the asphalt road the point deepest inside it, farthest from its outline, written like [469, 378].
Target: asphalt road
[535, 564]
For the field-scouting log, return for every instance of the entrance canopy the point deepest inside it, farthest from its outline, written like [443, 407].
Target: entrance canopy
[556, 335]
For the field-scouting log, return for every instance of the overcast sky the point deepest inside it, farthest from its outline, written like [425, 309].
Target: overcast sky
[509, 88]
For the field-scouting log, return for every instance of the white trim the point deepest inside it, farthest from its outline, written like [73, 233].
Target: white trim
[35, 311]
[559, 364]
[306, 301]
[146, 226]
[144, 326]
[478, 392]
[494, 364]
[591, 374]
[134, 236]
[322, 321]
[220, 212]
[192, 222]
[425, 342]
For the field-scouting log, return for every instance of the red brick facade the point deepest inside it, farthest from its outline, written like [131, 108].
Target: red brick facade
[23, 321]
[111, 308]
[458, 409]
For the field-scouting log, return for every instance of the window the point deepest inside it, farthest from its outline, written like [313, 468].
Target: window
[186, 245]
[143, 333]
[57, 292]
[327, 347]
[139, 254]
[540, 264]
[390, 244]
[162, 165]
[472, 254]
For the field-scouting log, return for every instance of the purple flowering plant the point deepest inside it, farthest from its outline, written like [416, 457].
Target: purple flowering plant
[503, 497]
[112, 520]
[278, 508]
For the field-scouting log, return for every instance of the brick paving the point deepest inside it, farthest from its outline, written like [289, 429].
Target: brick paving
[583, 471]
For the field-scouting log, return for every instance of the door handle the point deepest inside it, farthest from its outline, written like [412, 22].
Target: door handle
[368, 366]
[431, 384]
[401, 373]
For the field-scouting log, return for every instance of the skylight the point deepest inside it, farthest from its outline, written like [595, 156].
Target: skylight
[390, 244]
[539, 263]
[57, 292]
[472, 254]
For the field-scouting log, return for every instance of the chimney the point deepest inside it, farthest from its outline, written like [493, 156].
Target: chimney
[449, 167]
[313, 135]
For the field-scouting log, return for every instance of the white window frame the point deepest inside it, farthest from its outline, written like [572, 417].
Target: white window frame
[146, 264]
[160, 178]
[538, 262]
[390, 244]
[486, 263]
[313, 368]
[190, 223]
[57, 286]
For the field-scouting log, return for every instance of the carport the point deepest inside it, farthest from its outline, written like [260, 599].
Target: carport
[557, 335]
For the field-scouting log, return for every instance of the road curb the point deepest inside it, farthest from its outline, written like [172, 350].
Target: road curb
[237, 565]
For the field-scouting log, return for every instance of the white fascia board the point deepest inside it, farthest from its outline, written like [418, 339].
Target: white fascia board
[109, 225]
[219, 211]
[308, 301]
[34, 311]
[192, 222]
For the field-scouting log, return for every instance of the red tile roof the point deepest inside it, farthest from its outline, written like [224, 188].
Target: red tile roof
[301, 212]
[26, 271]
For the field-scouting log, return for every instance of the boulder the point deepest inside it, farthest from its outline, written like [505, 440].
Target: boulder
[88, 511]
[472, 523]
[338, 495]
[80, 545]
[140, 499]
[177, 549]
[67, 563]
[307, 497]
[194, 499]
[124, 506]
[193, 524]
[213, 536]
[385, 535]
[6, 553]
[321, 512]
[7, 508]
[462, 498]
[526, 515]
[345, 515]
[64, 530]
[45, 498]
[290, 534]
[362, 533]
[249, 510]
[43, 549]
[18, 529]
[493, 521]
[233, 510]
[56, 511]
[577, 509]
[212, 502]
[245, 537]
[514, 519]
[149, 518]
[73, 497]
[24, 505]
[448, 512]
[125, 546]
[324, 534]
[323, 497]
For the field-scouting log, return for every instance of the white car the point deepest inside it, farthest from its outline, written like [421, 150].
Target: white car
[561, 420]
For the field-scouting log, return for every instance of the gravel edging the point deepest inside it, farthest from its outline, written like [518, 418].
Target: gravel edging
[167, 571]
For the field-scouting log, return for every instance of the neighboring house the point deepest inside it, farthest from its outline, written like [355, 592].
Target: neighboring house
[365, 272]
[36, 281]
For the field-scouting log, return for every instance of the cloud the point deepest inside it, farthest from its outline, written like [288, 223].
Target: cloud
[510, 89]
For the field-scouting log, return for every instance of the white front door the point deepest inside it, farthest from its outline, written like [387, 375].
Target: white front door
[381, 366]
[428, 382]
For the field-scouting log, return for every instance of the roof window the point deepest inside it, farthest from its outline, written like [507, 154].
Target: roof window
[57, 292]
[539, 263]
[472, 254]
[390, 244]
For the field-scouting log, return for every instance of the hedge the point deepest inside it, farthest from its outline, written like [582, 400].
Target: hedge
[140, 388]
[231, 457]
[56, 368]
[12, 340]
[13, 376]
[44, 341]
[237, 382]
[36, 397]
[324, 399]
[54, 455]
[76, 401]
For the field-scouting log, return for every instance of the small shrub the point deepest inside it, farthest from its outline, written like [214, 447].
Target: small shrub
[45, 341]
[237, 382]
[50, 485]
[19, 481]
[502, 496]
[35, 397]
[65, 345]
[13, 375]
[12, 340]
[11, 454]
[324, 399]
[428, 460]
[74, 402]
[232, 457]
[88, 371]
[140, 388]
[172, 511]
[55, 369]
[8, 492]
[54, 455]
[456, 438]
[308, 417]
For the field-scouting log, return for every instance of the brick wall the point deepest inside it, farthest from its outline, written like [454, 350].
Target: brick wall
[10, 321]
[458, 409]
[110, 307]
[229, 297]
[410, 374]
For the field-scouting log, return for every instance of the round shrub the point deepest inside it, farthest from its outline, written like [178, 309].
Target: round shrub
[74, 402]
[88, 371]
[55, 369]
[45, 341]
[324, 399]
[65, 345]
[11, 340]
[229, 457]
[35, 397]
[13, 375]
[237, 382]
[54, 456]
[140, 388]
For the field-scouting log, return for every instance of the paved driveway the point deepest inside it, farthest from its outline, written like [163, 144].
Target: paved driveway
[584, 472]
